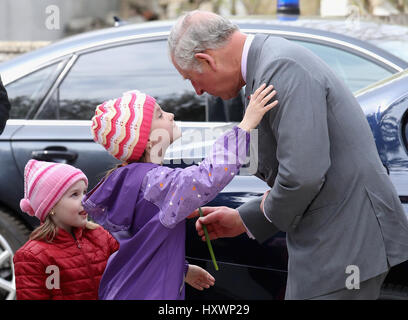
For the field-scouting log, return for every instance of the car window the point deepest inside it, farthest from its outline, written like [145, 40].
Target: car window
[355, 71]
[26, 93]
[107, 73]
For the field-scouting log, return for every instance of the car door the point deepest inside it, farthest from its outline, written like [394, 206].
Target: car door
[25, 95]
[50, 139]
[393, 145]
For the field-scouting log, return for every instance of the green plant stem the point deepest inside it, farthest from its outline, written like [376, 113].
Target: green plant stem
[207, 238]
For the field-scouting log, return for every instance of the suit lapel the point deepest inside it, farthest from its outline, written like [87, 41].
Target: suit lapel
[248, 92]
[252, 64]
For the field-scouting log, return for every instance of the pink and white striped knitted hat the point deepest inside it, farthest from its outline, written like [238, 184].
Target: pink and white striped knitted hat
[44, 185]
[122, 125]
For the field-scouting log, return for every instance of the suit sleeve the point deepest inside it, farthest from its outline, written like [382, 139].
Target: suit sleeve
[30, 277]
[4, 107]
[303, 149]
[255, 221]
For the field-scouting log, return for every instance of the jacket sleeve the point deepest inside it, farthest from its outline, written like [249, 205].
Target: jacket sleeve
[178, 192]
[30, 277]
[4, 107]
[254, 219]
[303, 148]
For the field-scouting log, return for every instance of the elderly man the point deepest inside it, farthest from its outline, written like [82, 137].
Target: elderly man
[4, 107]
[329, 190]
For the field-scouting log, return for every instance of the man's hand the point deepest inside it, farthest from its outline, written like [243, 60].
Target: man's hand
[221, 222]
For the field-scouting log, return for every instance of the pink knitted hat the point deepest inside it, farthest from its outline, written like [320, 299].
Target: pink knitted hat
[122, 125]
[44, 185]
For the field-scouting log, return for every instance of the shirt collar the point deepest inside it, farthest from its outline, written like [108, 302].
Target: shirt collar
[244, 58]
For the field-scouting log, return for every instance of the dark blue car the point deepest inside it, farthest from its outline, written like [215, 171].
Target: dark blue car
[54, 91]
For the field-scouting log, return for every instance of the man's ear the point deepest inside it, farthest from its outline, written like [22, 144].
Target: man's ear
[206, 58]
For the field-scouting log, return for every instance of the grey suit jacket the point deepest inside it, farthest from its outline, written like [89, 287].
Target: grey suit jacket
[329, 190]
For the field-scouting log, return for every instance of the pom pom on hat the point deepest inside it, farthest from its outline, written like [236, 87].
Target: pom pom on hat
[25, 206]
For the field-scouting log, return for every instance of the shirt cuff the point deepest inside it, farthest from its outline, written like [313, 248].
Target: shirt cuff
[254, 219]
[249, 234]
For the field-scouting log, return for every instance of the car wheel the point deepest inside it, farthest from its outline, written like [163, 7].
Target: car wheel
[13, 234]
[393, 292]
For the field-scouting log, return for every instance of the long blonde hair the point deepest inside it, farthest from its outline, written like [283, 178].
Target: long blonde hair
[48, 230]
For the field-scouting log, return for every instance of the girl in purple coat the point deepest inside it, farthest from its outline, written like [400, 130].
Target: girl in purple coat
[144, 204]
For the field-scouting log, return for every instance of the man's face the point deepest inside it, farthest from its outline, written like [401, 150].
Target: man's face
[214, 82]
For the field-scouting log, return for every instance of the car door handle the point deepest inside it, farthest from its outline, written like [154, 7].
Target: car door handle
[55, 154]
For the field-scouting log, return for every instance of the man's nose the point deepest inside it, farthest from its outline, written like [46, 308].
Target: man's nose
[197, 89]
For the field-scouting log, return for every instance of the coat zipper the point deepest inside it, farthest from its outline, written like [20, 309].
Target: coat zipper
[87, 263]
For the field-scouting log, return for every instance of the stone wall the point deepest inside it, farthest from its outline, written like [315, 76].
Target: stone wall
[11, 49]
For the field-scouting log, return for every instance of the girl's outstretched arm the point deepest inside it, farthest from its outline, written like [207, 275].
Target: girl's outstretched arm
[178, 192]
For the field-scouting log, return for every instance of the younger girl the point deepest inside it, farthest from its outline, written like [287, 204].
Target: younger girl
[66, 255]
[144, 204]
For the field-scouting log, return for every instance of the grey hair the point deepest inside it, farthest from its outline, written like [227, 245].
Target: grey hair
[188, 37]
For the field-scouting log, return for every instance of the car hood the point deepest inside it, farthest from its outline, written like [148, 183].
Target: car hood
[378, 96]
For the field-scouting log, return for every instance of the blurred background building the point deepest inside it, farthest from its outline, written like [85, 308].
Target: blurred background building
[29, 24]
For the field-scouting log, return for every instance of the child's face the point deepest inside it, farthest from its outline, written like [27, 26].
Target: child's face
[164, 126]
[68, 211]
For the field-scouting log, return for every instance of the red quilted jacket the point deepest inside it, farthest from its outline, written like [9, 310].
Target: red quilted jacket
[79, 263]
